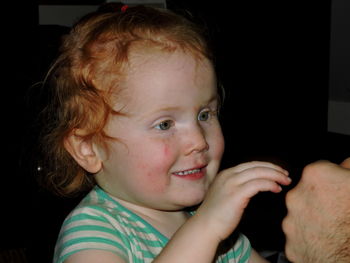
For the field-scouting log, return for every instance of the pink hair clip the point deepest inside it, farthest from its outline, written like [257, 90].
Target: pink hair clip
[123, 8]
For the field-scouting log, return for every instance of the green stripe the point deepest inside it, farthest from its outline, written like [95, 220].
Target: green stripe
[238, 253]
[239, 250]
[84, 216]
[126, 224]
[63, 258]
[105, 211]
[246, 256]
[107, 241]
[133, 217]
[147, 254]
[120, 235]
[91, 228]
[97, 240]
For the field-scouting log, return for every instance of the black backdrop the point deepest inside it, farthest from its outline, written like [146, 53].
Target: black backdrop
[273, 60]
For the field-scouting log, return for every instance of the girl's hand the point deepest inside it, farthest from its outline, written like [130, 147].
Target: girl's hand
[231, 192]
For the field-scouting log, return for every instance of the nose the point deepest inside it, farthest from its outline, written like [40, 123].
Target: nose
[196, 140]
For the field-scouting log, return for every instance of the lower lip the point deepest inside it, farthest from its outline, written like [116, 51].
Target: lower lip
[194, 176]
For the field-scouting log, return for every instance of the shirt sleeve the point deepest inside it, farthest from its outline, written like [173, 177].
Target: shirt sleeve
[89, 229]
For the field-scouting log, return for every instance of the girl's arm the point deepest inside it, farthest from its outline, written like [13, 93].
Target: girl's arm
[94, 256]
[219, 214]
[191, 242]
[256, 258]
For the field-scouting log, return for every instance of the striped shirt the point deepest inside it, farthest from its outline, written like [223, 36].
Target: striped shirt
[100, 222]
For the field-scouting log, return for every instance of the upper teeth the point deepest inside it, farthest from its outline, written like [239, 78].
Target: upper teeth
[188, 172]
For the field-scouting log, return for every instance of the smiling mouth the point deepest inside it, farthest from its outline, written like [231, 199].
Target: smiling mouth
[184, 173]
[192, 174]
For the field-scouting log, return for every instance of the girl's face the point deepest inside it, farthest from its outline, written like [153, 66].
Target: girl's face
[169, 141]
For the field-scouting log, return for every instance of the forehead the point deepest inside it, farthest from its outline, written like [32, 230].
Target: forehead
[168, 69]
[159, 79]
[172, 83]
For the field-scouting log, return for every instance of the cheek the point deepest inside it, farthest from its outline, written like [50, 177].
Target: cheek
[158, 158]
[164, 158]
[217, 144]
[221, 148]
[169, 155]
[155, 166]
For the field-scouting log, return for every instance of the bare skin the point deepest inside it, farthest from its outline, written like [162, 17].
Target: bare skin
[317, 226]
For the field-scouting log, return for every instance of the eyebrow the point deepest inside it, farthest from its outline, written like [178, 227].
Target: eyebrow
[210, 100]
[167, 109]
[214, 97]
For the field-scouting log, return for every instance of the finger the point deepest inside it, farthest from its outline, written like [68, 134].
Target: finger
[251, 188]
[248, 165]
[245, 192]
[262, 173]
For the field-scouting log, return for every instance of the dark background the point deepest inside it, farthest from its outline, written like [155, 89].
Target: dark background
[273, 59]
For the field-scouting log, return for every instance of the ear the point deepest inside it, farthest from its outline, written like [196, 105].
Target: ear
[83, 151]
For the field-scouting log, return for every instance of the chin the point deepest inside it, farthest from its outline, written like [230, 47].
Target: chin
[192, 200]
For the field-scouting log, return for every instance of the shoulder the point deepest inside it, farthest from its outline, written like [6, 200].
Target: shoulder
[97, 208]
[95, 224]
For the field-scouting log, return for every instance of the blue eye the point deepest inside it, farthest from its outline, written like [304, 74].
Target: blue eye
[165, 125]
[204, 115]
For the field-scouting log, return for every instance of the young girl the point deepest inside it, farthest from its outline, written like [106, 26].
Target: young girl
[134, 118]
